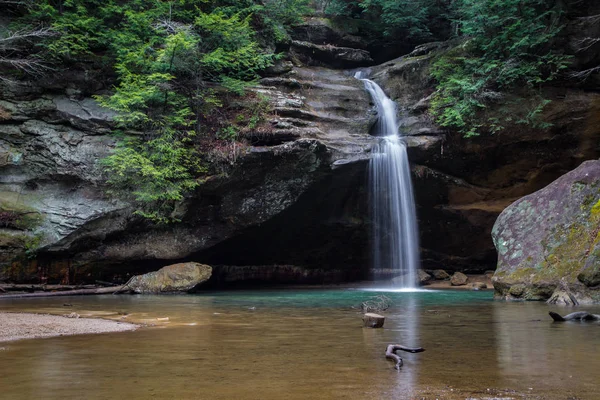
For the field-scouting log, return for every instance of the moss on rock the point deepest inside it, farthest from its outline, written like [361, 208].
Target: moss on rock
[551, 238]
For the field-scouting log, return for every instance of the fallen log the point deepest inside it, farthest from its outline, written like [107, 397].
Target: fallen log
[77, 292]
[42, 287]
[390, 352]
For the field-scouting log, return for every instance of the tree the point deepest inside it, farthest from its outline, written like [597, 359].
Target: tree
[505, 43]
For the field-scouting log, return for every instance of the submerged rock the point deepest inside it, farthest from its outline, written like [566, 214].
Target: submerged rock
[303, 179]
[550, 239]
[173, 278]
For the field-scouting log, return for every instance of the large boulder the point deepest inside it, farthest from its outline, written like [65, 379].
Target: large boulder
[172, 278]
[549, 240]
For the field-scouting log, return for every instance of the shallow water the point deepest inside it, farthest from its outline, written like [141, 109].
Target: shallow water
[306, 344]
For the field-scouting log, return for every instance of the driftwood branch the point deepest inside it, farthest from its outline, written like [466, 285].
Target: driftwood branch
[390, 352]
[24, 287]
[76, 292]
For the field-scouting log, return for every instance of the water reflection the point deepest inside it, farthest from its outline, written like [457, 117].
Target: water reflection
[408, 335]
[534, 351]
[307, 345]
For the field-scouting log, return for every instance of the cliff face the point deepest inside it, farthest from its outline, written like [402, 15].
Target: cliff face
[294, 197]
[295, 194]
[462, 185]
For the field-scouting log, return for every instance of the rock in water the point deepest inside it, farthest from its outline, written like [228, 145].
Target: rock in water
[458, 279]
[576, 316]
[372, 320]
[172, 278]
[549, 240]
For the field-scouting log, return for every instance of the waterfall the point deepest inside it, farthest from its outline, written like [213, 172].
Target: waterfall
[395, 234]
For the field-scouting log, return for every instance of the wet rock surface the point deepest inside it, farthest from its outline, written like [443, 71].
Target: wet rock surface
[547, 241]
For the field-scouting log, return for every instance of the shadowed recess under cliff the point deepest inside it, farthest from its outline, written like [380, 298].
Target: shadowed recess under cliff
[325, 229]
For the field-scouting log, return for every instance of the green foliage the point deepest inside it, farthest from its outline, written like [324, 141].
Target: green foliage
[392, 19]
[164, 169]
[228, 47]
[176, 63]
[508, 45]
[32, 244]
[228, 133]
[286, 12]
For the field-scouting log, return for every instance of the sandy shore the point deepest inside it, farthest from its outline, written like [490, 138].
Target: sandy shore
[16, 326]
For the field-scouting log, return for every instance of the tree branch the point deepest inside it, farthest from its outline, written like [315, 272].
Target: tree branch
[391, 349]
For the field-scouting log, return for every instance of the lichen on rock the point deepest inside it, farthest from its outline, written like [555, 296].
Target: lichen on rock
[172, 278]
[550, 239]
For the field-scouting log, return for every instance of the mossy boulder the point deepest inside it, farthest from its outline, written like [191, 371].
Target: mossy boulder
[550, 240]
[172, 278]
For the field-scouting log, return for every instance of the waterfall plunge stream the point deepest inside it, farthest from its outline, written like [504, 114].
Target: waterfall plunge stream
[395, 234]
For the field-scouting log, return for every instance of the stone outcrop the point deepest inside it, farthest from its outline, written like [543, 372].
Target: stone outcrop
[549, 241]
[321, 31]
[317, 42]
[328, 55]
[171, 279]
[294, 188]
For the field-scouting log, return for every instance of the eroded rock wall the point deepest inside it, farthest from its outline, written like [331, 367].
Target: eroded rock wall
[298, 180]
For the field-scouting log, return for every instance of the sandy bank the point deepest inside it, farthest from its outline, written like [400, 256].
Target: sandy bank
[16, 326]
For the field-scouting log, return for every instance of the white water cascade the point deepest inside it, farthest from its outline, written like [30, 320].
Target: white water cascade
[393, 215]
